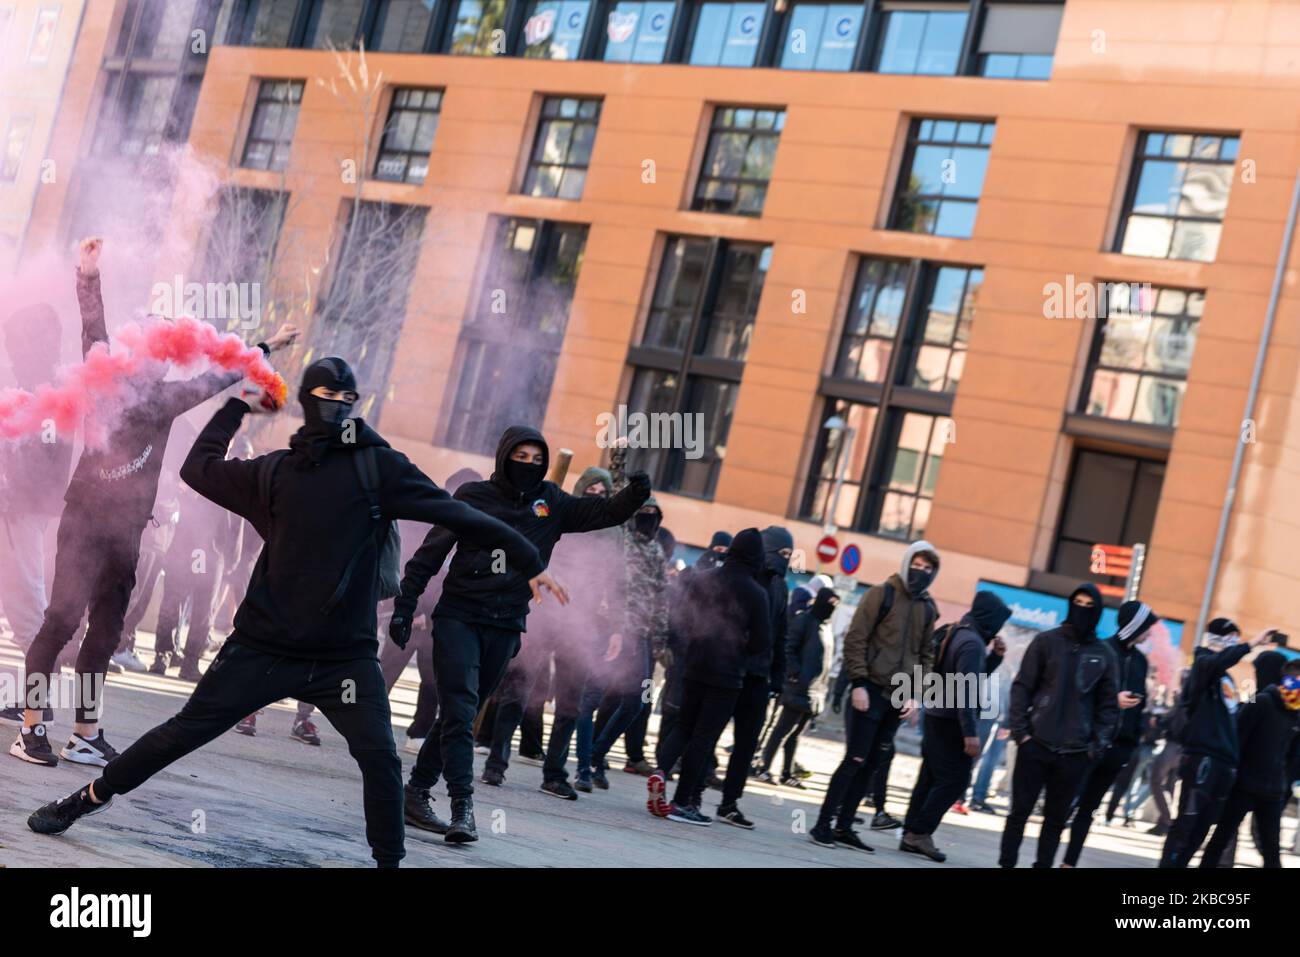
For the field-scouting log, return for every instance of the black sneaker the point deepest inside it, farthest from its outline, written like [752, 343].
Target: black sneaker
[95, 751]
[688, 815]
[802, 773]
[922, 844]
[33, 746]
[190, 670]
[598, 778]
[884, 821]
[849, 838]
[559, 789]
[822, 836]
[791, 781]
[159, 666]
[419, 810]
[493, 777]
[731, 814]
[583, 783]
[248, 726]
[305, 731]
[462, 829]
[982, 808]
[57, 816]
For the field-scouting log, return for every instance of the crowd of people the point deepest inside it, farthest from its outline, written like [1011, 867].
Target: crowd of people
[305, 546]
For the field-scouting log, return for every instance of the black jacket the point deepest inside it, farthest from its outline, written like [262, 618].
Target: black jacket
[1131, 672]
[724, 617]
[771, 664]
[315, 518]
[1064, 694]
[477, 590]
[1213, 701]
[809, 647]
[1269, 738]
[966, 658]
[1268, 668]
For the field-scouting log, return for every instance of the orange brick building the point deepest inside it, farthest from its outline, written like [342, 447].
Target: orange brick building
[878, 211]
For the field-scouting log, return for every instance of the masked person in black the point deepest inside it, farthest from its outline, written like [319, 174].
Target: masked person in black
[968, 653]
[307, 627]
[1135, 620]
[712, 556]
[726, 622]
[764, 674]
[1205, 721]
[479, 619]
[1063, 716]
[809, 649]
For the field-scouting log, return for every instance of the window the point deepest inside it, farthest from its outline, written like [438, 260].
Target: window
[275, 116]
[921, 38]
[554, 29]
[1178, 196]
[637, 32]
[408, 136]
[262, 23]
[242, 238]
[1141, 354]
[332, 24]
[561, 154]
[726, 34]
[738, 160]
[41, 44]
[510, 343]
[144, 110]
[692, 355]
[943, 175]
[1018, 40]
[162, 30]
[478, 28]
[1111, 500]
[371, 279]
[17, 135]
[821, 36]
[892, 383]
[402, 26]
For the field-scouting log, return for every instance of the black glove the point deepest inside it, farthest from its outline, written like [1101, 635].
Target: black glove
[399, 626]
[640, 481]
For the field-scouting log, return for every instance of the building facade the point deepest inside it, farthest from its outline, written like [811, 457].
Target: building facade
[989, 273]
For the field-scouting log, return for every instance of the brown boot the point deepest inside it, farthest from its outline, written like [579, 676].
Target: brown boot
[921, 844]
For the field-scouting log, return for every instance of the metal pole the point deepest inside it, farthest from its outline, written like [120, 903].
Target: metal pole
[1252, 396]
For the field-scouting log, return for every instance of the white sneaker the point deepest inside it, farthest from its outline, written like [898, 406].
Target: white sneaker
[127, 661]
[482, 749]
[93, 751]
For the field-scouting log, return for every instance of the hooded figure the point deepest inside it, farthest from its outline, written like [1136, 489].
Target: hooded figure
[775, 565]
[322, 419]
[804, 594]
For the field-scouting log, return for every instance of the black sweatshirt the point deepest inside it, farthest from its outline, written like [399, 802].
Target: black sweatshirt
[1213, 701]
[967, 658]
[119, 482]
[1131, 671]
[1064, 693]
[317, 516]
[724, 617]
[1269, 737]
[477, 590]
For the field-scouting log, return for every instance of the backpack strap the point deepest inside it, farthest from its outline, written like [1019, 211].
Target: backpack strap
[886, 603]
[266, 479]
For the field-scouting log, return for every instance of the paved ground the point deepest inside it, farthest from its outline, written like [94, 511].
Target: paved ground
[270, 801]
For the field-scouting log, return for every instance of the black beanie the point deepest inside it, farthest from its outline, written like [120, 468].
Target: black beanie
[1135, 620]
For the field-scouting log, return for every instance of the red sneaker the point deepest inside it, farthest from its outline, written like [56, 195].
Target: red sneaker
[960, 808]
[656, 804]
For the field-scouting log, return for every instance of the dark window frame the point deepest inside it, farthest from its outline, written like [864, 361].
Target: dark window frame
[543, 122]
[673, 42]
[258, 102]
[701, 203]
[763, 43]
[370, 26]
[902, 190]
[383, 151]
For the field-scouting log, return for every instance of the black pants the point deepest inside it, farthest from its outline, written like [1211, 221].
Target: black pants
[350, 694]
[944, 775]
[94, 569]
[1100, 777]
[393, 661]
[1164, 777]
[1267, 829]
[468, 662]
[789, 725]
[705, 712]
[750, 713]
[870, 740]
[572, 670]
[1039, 768]
[880, 780]
[1206, 784]
[634, 737]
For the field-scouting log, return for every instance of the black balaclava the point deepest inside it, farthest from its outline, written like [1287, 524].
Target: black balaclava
[1084, 620]
[720, 538]
[709, 558]
[776, 538]
[520, 479]
[646, 523]
[823, 605]
[746, 552]
[990, 613]
[1135, 620]
[322, 418]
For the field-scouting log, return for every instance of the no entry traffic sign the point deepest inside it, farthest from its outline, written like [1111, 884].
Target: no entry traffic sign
[828, 548]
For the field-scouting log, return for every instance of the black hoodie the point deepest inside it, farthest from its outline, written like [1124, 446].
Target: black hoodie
[724, 618]
[477, 589]
[1064, 695]
[1269, 739]
[314, 516]
[965, 656]
[1213, 701]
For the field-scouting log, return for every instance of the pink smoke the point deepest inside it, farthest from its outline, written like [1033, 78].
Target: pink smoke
[185, 343]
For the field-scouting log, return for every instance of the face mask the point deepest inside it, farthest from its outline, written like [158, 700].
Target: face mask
[1084, 620]
[646, 524]
[524, 476]
[918, 580]
[325, 414]
[823, 607]
[1290, 691]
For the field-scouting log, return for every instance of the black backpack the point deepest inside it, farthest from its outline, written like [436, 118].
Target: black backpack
[386, 538]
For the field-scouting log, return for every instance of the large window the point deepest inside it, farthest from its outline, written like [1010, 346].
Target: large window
[1018, 40]
[262, 23]
[738, 160]
[1110, 500]
[566, 131]
[478, 28]
[726, 34]
[821, 36]
[275, 117]
[554, 29]
[1141, 354]
[891, 386]
[332, 24]
[241, 239]
[637, 31]
[922, 38]
[510, 343]
[692, 354]
[1178, 195]
[402, 26]
[408, 135]
[942, 177]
